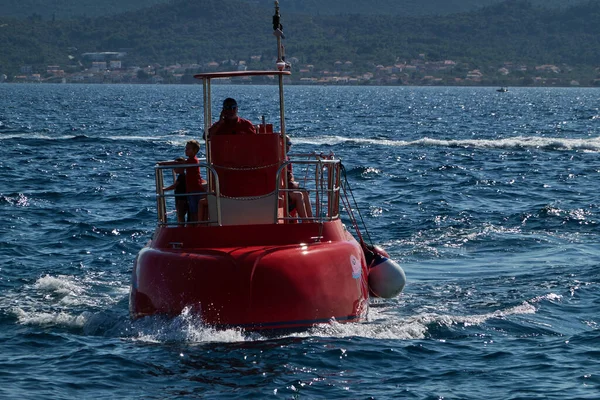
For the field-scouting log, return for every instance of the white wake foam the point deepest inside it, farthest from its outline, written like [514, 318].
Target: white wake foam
[381, 325]
[186, 327]
[72, 302]
[60, 318]
[517, 142]
[61, 300]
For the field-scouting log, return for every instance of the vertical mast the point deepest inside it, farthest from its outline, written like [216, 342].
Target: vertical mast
[281, 65]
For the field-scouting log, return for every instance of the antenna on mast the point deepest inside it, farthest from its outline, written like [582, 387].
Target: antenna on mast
[278, 32]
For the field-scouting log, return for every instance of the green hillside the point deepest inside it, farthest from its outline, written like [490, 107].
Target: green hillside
[65, 9]
[200, 31]
[399, 7]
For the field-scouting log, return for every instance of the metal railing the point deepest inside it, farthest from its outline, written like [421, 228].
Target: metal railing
[318, 176]
[165, 202]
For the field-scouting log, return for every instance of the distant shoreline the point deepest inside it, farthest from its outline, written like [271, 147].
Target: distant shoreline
[305, 84]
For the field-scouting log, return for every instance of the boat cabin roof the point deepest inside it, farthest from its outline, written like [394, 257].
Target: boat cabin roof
[231, 74]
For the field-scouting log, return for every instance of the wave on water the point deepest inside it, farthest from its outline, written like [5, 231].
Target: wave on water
[97, 306]
[18, 200]
[179, 138]
[63, 301]
[186, 327]
[33, 136]
[517, 142]
[382, 325]
[189, 328]
[29, 136]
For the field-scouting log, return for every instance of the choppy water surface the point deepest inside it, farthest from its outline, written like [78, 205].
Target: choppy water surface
[490, 201]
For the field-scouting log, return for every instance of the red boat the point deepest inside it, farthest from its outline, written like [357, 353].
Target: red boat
[252, 263]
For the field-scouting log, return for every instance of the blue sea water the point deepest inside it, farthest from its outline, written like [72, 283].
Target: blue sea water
[489, 201]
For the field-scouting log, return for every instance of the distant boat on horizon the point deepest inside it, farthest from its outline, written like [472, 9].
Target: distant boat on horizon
[502, 89]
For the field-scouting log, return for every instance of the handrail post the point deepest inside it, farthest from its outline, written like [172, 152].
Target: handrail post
[330, 190]
[160, 197]
[318, 188]
[336, 200]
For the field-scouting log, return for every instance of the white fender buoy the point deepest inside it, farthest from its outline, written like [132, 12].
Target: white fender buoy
[386, 277]
[379, 250]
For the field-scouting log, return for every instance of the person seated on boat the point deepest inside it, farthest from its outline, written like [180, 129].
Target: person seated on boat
[181, 201]
[230, 123]
[297, 199]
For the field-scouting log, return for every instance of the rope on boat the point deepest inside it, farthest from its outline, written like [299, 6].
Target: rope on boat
[246, 168]
[247, 198]
[347, 189]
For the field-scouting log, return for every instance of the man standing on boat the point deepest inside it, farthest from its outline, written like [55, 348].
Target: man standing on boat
[230, 123]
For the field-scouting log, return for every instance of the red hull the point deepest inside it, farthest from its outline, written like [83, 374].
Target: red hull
[253, 276]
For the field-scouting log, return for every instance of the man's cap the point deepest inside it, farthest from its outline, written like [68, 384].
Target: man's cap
[229, 102]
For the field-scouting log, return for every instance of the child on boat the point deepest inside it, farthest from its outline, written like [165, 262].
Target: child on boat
[194, 183]
[181, 201]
